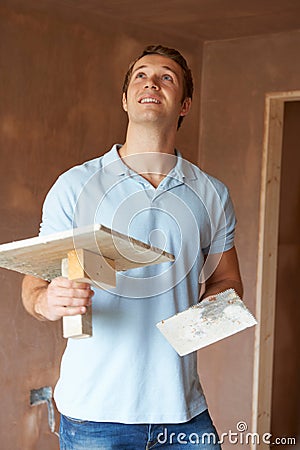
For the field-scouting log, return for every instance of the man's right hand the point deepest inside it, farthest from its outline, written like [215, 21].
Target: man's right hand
[52, 301]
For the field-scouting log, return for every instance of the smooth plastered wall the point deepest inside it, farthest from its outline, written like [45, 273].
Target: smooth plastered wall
[60, 83]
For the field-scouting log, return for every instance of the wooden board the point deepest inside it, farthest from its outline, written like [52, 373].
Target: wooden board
[41, 256]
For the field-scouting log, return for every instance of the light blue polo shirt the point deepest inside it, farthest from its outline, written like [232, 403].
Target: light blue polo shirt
[127, 372]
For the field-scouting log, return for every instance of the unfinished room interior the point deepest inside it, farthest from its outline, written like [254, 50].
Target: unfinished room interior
[62, 69]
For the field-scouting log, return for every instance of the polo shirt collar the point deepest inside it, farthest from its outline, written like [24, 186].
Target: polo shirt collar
[183, 169]
[112, 163]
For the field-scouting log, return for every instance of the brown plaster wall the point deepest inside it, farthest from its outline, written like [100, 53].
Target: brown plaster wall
[60, 84]
[236, 76]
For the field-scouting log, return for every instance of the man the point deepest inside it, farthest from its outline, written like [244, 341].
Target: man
[126, 388]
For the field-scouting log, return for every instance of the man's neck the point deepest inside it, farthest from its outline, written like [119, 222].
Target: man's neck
[144, 138]
[149, 152]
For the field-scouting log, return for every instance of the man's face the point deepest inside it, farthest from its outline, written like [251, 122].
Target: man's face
[155, 91]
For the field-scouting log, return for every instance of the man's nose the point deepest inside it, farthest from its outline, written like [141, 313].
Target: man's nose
[152, 83]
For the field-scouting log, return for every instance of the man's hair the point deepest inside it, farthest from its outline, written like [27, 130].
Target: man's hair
[173, 54]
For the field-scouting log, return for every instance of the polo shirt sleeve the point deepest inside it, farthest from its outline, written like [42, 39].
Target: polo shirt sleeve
[58, 208]
[222, 222]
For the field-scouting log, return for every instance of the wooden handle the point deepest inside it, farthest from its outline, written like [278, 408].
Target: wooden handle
[83, 265]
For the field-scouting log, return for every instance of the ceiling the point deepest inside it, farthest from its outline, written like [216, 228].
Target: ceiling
[197, 19]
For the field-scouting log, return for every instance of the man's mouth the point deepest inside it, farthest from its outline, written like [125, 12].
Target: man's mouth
[149, 100]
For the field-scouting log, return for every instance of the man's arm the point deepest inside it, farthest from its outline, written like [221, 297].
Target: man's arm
[223, 273]
[51, 301]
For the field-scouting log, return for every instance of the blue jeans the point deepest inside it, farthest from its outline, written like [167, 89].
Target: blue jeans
[198, 433]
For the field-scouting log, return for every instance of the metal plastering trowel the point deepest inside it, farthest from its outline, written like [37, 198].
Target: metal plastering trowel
[209, 321]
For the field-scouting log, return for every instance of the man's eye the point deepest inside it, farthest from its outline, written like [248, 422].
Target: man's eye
[140, 75]
[167, 77]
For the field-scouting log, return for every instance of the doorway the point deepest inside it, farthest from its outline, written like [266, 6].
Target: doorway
[285, 407]
[275, 380]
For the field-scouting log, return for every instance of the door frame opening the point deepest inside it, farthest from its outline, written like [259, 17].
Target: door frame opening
[267, 260]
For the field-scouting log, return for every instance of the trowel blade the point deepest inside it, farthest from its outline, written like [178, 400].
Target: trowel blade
[207, 322]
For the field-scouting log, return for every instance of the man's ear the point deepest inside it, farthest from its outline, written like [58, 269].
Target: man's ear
[186, 106]
[124, 102]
